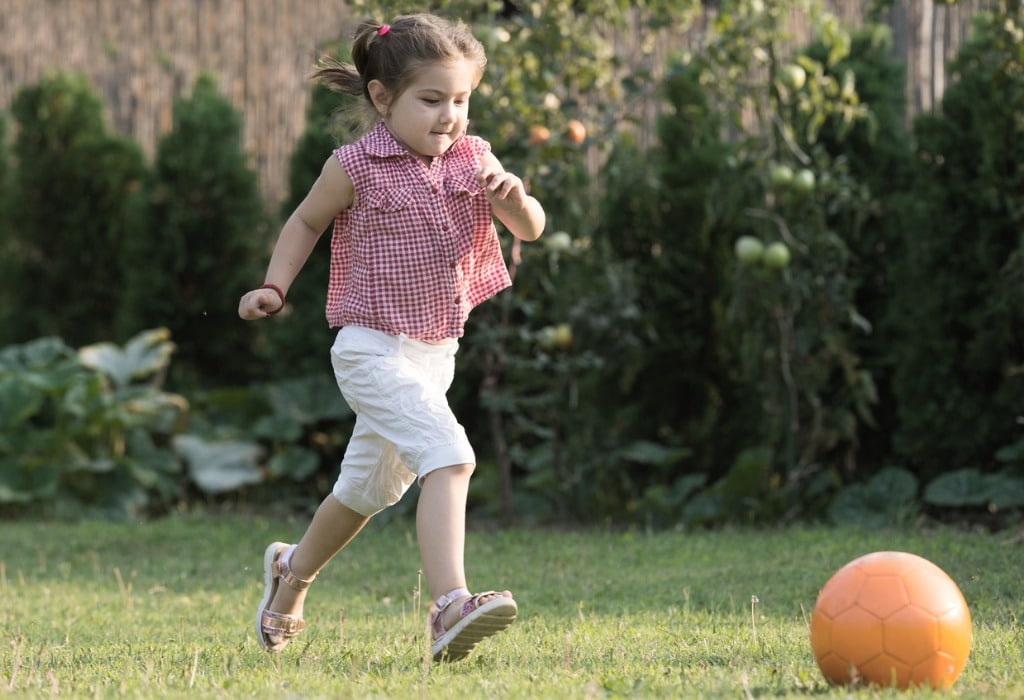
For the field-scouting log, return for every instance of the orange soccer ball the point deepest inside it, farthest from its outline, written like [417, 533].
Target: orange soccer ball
[891, 619]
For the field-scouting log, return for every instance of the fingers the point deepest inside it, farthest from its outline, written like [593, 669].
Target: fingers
[258, 304]
[500, 185]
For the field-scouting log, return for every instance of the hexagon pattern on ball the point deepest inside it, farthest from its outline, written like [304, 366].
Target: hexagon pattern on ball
[891, 619]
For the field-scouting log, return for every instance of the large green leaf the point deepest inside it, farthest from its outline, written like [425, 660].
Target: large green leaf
[888, 498]
[969, 487]
[220, 466]
[36, 355]
[295, 462]
[19, 400]
[23, 480]
[963, 487]
[1009, 492]
[646, 452]
[748, 474]
[146, 354]
[278, 427]
[308, 400]
[1012, 454]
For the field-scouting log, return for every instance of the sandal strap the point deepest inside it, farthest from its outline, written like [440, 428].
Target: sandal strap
[472, 602]
[450, 597]
[283, 569]
[281, 625]
[440, 605]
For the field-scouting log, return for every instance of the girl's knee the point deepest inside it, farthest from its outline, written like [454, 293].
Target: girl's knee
[452, 471]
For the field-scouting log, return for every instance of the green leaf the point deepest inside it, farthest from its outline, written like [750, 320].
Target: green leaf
[887, 499]
[1011, 453]
[18, 401]
[36, 355]
[969, 487]
[748, 473]
[963, 487]
[146, 354]
[278, 427]
[308, 400]
[646, 452]
[297, 463]
[220, 466]
[23, 480]
[152, 466]
[1008, 492]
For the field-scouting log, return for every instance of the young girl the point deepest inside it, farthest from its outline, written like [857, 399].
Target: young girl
[414, 249]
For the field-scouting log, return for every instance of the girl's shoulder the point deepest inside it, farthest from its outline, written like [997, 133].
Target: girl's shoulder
[362, 157]
[473, 145]
[378, 141]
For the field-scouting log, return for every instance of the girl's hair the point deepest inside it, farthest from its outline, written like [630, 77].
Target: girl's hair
[394, 53]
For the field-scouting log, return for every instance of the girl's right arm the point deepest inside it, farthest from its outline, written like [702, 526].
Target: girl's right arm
[331, 193]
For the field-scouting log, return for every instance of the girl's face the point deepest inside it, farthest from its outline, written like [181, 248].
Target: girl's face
[432, 113]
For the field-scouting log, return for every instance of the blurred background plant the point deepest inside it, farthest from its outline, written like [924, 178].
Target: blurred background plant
[763, 295]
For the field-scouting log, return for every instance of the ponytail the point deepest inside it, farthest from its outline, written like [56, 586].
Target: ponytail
[393, 53]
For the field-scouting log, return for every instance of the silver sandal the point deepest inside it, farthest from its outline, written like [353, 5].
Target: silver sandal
[476, 622]
[269, 624]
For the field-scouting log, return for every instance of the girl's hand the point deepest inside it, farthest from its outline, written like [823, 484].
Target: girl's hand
[259, 303]
[521, 213]
[504, 190]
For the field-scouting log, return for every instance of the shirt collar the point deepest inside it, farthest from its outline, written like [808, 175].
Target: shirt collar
[381, 143]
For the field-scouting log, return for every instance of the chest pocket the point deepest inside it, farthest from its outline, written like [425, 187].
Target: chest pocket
[463, 183]
[387, 201]
[383, 219]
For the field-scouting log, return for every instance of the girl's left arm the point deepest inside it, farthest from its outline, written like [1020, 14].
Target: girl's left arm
[521, 214]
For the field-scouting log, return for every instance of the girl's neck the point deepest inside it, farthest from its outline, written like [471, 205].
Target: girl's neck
[426, 160]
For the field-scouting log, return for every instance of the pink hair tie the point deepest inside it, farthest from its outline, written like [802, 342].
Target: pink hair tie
[384, 29]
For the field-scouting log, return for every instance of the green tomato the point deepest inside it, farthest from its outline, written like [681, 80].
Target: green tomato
[803, 181]
[776, 256]
[563, 335]
[781, 176]
[546, 337]
[793, 76]
[559, 241]
[749, 249]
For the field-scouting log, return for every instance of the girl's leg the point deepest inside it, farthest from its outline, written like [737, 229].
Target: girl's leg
[441, 532]
[441, 528]
[333, 526]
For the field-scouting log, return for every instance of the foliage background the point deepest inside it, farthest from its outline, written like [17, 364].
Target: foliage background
[638, 371]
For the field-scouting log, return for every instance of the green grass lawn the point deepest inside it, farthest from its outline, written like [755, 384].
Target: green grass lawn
[165, 609]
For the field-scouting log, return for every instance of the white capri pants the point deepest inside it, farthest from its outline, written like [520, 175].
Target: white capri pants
[404, 427]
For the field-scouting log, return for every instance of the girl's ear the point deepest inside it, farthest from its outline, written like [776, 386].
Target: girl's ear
[379, 96]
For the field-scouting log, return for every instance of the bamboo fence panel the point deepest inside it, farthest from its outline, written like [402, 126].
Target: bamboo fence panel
[142, 54]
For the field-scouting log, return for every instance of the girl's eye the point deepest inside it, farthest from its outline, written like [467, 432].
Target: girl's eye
[430, 100]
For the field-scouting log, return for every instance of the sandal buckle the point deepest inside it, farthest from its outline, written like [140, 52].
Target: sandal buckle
[449, 598]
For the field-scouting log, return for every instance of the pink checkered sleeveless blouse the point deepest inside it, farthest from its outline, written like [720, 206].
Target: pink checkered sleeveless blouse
[418, 249]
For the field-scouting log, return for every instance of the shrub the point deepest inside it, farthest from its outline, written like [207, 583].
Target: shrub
[270, 442]
[196, 224]
[752, 363]
[958, 314]
[8, 257]
[67, 215]
[877, 153]
[88, 432]
[297, 340]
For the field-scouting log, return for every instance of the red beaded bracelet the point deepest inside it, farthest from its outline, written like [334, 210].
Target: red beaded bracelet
[279, 293]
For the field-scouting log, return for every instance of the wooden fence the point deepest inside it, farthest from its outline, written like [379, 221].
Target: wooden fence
[141, 54]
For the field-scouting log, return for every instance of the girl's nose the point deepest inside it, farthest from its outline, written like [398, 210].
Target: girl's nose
[447, 114]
